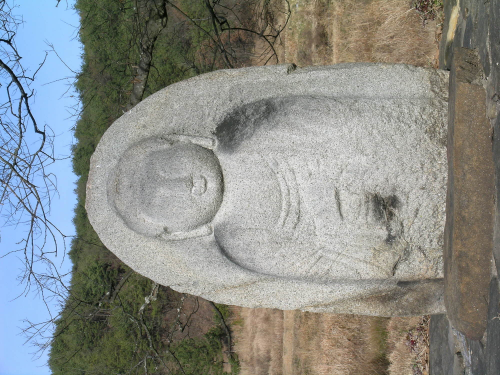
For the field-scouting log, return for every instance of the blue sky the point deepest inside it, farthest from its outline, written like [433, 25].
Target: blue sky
[58, 26]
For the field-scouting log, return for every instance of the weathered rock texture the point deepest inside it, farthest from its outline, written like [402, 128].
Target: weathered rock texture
[320, 189]
[471, 198]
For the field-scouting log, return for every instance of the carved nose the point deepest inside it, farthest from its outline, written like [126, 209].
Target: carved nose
[199, 185]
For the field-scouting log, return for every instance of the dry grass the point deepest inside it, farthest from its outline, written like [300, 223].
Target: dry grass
[408, 342]
[300, 343]
[387, 31]
[310, 33]
[259, 341]
[326, 32]
[338, 344]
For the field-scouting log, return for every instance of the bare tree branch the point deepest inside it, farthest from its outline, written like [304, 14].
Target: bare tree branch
[26, 185]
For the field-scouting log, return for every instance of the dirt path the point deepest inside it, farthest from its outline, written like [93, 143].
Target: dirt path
[288, 341]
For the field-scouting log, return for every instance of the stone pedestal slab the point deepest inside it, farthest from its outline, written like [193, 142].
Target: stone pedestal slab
[470, 201]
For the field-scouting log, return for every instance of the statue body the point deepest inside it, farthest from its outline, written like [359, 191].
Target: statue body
[319, 189]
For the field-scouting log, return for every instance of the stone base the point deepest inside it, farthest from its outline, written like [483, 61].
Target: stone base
[470, 200]
[451, 353]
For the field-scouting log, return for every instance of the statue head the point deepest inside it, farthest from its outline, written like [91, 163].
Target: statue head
[163, 186]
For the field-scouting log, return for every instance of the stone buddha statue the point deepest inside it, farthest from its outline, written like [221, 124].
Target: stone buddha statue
[288, 196]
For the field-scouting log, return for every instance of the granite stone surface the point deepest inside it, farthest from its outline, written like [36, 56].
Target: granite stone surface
[321, 189]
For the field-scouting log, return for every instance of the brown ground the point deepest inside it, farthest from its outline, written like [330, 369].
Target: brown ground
[187, 317]
[323, 32]
[275, 342]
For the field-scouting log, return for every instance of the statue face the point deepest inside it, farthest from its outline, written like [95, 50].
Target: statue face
[164, 187]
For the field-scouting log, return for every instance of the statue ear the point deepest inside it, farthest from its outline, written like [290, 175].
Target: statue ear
[203, 231]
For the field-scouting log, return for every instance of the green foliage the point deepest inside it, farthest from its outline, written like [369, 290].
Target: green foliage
[235, 364]
[201, 356]
[224, 310]
[378, 337]
[102, 328]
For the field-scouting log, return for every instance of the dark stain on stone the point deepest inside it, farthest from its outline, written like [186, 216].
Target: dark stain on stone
[245, 121]
[384, 211]
[384, 208]
[407, 297]
[242, 123]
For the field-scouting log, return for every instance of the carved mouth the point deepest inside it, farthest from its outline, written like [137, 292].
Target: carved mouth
[199, 185]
